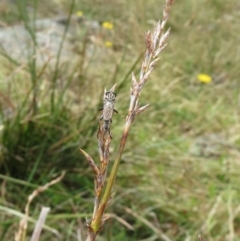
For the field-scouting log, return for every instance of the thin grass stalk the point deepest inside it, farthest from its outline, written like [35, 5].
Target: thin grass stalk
[23, 224]
[201, 238]
[30, 25]
[97, 221]
[39, 225]
[56, 71]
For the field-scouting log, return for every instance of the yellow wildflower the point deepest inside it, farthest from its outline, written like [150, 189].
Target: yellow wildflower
[79, 13]
[108, 44]
[107, 25]
[204, 78]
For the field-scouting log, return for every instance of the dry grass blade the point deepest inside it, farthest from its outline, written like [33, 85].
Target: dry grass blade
[201, 238]
[230, 219]
[21, 234]
[39, 226]
[20, 215]
[120, 220]
[91, 162]
[157, 231]
[212, 212]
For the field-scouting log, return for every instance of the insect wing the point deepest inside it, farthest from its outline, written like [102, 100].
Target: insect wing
[108, 110]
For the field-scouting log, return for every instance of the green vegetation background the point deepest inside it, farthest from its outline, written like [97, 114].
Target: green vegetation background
[180, 171]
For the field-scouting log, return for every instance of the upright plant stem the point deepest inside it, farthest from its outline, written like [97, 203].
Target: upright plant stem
[155, 44]
[96, 223]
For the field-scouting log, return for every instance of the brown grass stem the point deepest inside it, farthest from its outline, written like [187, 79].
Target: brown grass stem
[97, 222]
[201, 238]
[21, 234]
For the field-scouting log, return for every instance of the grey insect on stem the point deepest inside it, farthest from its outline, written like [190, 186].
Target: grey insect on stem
[109, 100]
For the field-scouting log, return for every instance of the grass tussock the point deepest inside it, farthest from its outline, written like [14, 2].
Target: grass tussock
[179, 173]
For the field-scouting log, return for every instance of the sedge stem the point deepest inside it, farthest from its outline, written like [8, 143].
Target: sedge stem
[96, 223]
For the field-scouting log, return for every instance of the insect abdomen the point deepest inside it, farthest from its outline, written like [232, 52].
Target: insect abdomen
[106, 124]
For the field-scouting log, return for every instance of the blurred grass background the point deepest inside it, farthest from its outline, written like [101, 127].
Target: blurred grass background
[180, 172]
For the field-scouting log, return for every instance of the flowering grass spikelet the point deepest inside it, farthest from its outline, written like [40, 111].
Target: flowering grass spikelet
[107, 25]
[204, 78]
